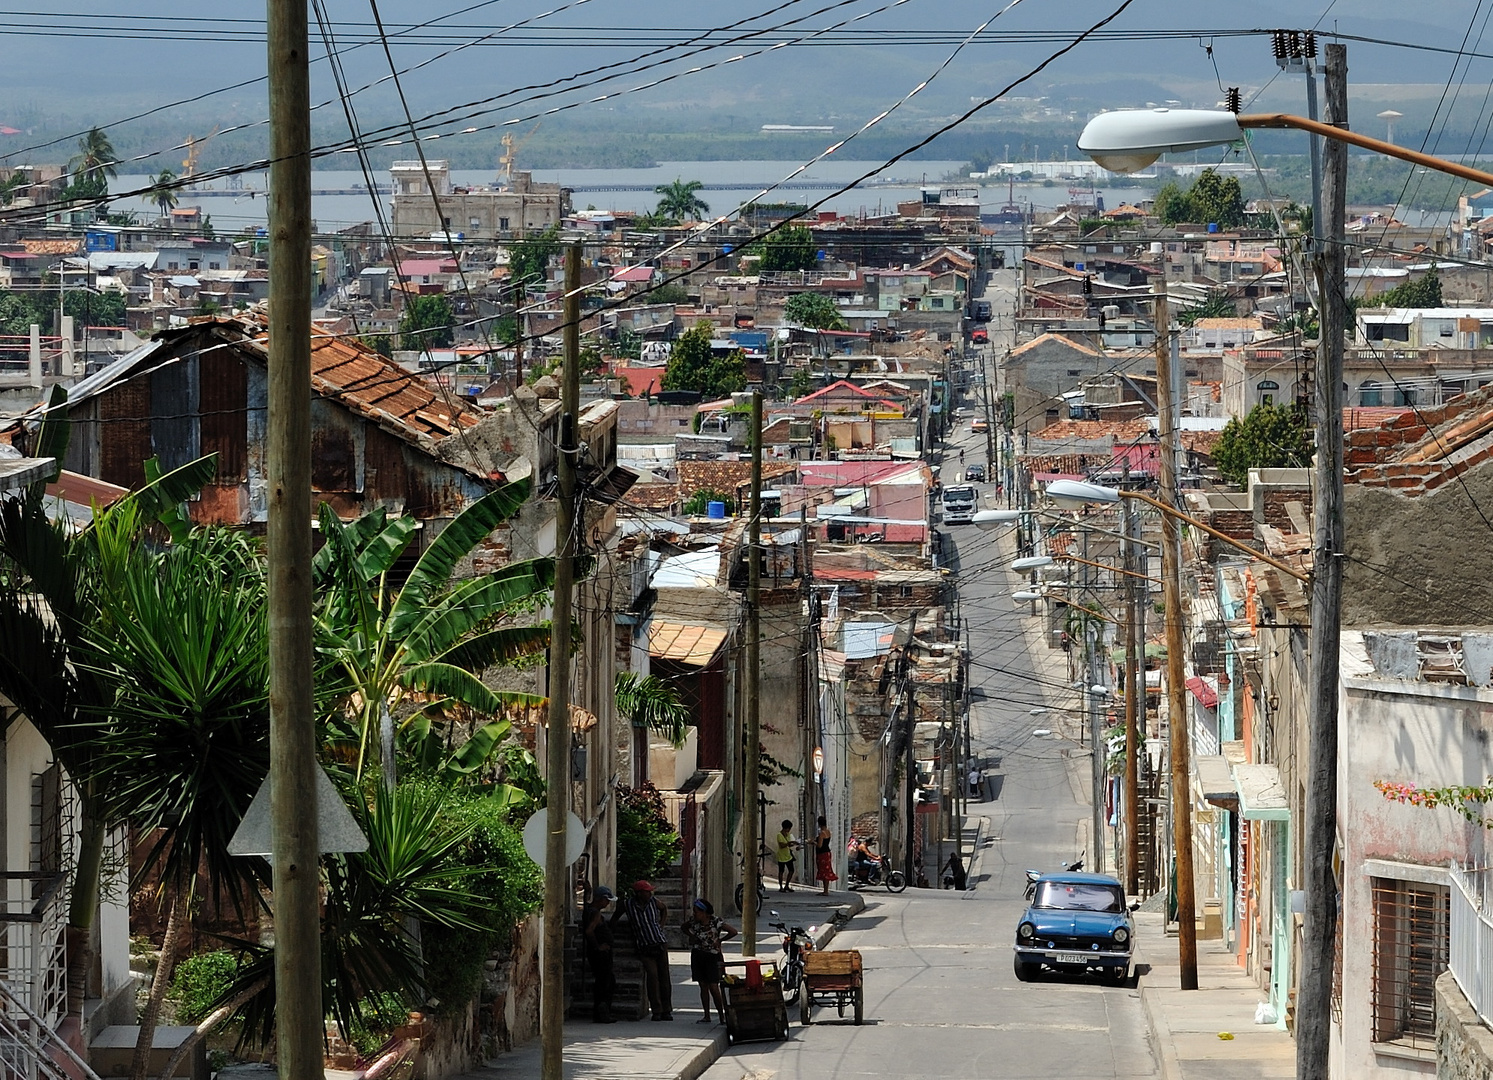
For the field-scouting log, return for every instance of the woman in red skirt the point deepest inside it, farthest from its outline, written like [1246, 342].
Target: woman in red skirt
[824, 866]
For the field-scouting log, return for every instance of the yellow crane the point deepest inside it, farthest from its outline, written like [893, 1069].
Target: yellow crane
[194, 151]
[510, 153]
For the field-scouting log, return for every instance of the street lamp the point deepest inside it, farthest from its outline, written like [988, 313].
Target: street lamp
[1128, 140]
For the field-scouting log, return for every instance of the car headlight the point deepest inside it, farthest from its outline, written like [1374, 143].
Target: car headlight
[1121, 935]
[1026, 930]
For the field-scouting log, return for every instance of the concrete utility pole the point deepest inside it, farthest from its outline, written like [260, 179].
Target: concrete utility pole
[1176, 687]
[751, 868]
[1319, 924]
[1132, 691]
[557, 755]
[294, 842]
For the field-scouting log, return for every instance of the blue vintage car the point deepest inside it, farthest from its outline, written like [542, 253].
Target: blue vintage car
[1075, 923]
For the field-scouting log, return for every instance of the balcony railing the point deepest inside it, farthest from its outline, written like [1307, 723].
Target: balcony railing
[33, 977]
[1471, 956]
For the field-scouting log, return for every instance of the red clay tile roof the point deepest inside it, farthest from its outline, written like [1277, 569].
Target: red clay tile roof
[727, 476]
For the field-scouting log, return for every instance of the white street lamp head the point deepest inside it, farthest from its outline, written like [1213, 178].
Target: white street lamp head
[1130, 139]
[1076, 494]
[993, 519]
[1027, 595]
[1099, 691]
[1035, 562]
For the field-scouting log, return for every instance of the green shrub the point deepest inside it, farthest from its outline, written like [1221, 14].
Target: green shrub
[199, 981]
[513, 886]
[647, 844]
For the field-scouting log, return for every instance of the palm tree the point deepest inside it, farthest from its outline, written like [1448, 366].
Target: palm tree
[183, 743]
[163, 191]
[418, 653]
[93, 165]
[679, 201]
[649, 702]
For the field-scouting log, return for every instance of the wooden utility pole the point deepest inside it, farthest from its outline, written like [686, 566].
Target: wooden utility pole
[1133, 689]
[294, 842]
[1176, 688]
[557, 732]
[751, 868]
[1319, 922]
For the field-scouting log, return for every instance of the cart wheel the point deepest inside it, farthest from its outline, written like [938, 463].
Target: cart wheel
[783, 1028]
[860, 1004]
[805, 1009]
[840, 1005]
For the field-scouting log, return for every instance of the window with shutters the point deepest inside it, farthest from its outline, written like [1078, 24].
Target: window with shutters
[1411, 943]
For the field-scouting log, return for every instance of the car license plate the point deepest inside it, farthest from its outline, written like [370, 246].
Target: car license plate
[1072, 958]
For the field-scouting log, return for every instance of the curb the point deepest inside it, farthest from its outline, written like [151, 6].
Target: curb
[856, 903]
[705, 1057]
[1161, 1036]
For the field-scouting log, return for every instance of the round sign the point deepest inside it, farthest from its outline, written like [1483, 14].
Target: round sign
[536, 835]
[818, 763]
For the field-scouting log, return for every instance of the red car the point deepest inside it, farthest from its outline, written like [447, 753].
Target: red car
[979, 336]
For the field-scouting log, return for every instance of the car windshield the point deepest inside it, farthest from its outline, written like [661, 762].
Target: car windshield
[1071, 896]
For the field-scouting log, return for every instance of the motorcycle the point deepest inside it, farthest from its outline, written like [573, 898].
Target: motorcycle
[797, 944]
[1033, 875]
[878, 872]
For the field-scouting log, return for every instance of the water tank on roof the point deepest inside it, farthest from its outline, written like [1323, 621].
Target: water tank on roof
[716, 511]
[1212, 226]
[1111, 311]
[1156, 247]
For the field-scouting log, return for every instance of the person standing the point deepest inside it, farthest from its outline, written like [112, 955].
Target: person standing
[646, 914]
[824, 862]
[787, 865]
[705, 932]
[598, 934]
[976, 784]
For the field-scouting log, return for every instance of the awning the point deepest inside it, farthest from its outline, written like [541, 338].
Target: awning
[683, 643]
[1216, 781]
[1262, 797]
[1206, 695]
[612, 486]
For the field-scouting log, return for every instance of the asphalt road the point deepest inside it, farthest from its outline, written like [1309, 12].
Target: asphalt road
[941, 997]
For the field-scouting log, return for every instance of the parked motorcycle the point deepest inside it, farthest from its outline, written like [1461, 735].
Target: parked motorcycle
[878, 871]
[797, 944]
[1033, 875]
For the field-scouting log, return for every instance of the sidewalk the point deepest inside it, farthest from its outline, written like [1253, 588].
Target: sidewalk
[684, 1049]
[1185, 1025]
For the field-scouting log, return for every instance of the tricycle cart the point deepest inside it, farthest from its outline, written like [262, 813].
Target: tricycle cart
[832, 978]
[754, 1011]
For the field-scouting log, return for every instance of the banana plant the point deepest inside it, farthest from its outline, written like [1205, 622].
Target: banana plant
[407, 661]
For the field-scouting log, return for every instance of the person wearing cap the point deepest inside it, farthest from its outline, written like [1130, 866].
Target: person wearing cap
[705, 932]
[646, 914]
[598, 935]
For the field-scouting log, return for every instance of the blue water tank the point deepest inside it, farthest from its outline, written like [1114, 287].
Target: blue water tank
[820, 255]
[1212, 226]
[716, 511]
[726, 249]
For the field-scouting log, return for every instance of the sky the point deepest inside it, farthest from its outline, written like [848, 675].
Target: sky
[97, 62]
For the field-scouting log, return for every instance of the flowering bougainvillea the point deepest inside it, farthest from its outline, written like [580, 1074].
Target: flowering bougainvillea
[1465, 800]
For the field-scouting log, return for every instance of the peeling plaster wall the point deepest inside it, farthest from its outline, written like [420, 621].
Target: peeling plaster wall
[1428, 555]
[1401, 731]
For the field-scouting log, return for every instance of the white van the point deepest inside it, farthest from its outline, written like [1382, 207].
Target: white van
[958, 504]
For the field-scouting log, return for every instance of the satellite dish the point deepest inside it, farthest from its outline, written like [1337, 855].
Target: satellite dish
[535, 837]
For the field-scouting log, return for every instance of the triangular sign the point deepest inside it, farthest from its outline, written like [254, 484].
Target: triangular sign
[336, 829]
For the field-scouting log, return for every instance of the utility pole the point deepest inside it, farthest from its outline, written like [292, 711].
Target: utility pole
[910, 764]
[557, 732]
[294, 841]
[751, 868]
[1176, 688]
[1132, 691]
[1092, 639]
[1319, 923]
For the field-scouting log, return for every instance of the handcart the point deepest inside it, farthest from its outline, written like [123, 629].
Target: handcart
[832, 978]
[754, 1011]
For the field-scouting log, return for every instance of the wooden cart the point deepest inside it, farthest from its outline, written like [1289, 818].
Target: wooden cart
[754, 1012]
[832, 978]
